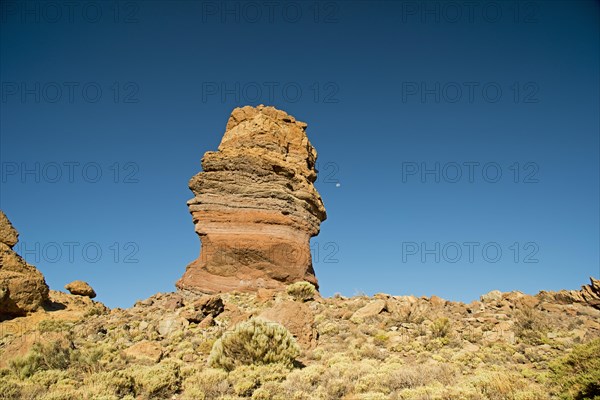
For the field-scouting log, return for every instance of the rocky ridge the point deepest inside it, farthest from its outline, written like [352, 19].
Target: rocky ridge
[362, 347]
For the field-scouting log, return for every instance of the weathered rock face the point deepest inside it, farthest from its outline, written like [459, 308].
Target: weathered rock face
[22, 286]
[589, 294]
[8, 234]
[255, 206]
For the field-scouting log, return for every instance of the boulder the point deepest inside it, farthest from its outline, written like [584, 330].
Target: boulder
[494, 295]
[80, 288]
[170, 325]
[146, 352]
[203, 307]
[370, 310]
[297, 318]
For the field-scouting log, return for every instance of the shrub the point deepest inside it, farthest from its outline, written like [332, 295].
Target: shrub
[41, 357]
[577, 375]
[381, 338]
[440, 328]
[109, 383]
[254, 342]
[9, 390]
[530, 326]
[302, 291]
[157, 381]
[498, 385]
[206, 384]
[52, 325]
[247, 378]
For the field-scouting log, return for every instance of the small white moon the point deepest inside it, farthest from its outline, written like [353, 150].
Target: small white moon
[338, 184]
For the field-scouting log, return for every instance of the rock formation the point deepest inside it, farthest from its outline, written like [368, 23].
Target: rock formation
[8, 234]
[589, 294]
[255, 206]
[22, 287]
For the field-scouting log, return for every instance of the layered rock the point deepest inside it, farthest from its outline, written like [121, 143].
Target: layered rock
[255, 206]
[589, 294]
[22, 287]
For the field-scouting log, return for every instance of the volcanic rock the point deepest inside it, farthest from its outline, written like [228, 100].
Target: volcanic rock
[589, 294]
[8, 234]
[368, 311]
[22, 287]
[80, 288]
[255, 206]
[297, 318]
[145, 351]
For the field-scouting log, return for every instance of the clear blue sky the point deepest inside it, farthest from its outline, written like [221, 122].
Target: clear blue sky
[392, 92]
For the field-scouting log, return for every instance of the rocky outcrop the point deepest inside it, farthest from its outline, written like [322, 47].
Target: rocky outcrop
[22, 287]
[8, 234]
[80, 288]
[589, 294]
[255, 206]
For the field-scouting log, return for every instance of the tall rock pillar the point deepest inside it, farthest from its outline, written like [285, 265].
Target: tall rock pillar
[255, 207]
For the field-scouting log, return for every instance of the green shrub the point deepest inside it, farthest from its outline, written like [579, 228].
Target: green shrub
[41, 357]
[88, 360]
[52, 325]
[531, 326]
[254, 342]
[247, 378]
[9, 390]
[303, 291]
[157, 381]
[109, 384]
[440, 328]
[208, 383]
[577, 375]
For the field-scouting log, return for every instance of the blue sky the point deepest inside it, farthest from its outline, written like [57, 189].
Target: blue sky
[458, 144]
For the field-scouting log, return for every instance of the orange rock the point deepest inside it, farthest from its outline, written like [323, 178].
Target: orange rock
[22, 286]
[80, 288]
[297, 318]
[255, 206]
[148, 352]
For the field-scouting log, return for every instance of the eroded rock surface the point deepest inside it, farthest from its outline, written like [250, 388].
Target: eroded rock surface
[589, 294]
[22, 287]
[255, 206]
